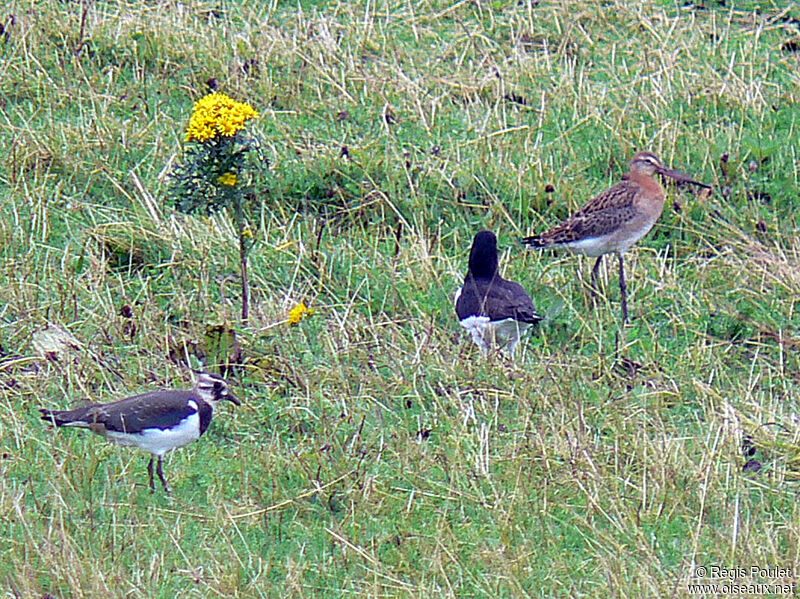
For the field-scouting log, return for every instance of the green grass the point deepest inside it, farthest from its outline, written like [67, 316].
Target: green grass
[376, 454]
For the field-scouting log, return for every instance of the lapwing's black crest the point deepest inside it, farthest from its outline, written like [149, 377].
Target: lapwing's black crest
[157, 422]
[483, 262]
[489, 306]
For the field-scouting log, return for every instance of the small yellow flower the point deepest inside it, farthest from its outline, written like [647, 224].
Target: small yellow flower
[247, 232]
[217, 115]
[299, 312]
[228, 179]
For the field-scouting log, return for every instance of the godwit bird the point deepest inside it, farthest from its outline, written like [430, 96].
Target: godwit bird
[616, 219]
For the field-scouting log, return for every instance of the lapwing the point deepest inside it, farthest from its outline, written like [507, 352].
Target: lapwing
[156, 422]
[616, 219]
[491, 308]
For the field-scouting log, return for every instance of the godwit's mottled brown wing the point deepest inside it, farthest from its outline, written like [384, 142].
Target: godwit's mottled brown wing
[600, 216]
[618, 197]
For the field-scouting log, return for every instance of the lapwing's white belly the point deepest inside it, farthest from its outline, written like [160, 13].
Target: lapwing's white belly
[508, 330]
[506, 333]
[158, 441]
[477, 327]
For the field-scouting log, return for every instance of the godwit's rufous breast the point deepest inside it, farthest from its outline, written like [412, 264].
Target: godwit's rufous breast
[616, 219]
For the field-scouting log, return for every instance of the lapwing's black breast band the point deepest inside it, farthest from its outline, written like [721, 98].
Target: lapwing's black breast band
[206, 412]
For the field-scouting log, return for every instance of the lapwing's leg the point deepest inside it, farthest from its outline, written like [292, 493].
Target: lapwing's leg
[595, 271]
[623, 287]
[512, 347]
[150, 472]
[486, 338]
[495, 341]
[513, 340]
[160, 471]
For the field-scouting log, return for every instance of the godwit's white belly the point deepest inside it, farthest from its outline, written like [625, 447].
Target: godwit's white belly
[618, 241]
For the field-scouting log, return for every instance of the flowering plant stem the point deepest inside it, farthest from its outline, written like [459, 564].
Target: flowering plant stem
[214, 175]
[243, 258]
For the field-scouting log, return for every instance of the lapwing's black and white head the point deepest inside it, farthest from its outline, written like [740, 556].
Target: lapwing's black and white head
[158, 421]
[490, 308]
[212, 388]
[483, 256]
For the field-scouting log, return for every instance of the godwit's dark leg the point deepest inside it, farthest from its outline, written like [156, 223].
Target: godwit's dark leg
[160, 471]
[150, 472]
[623, 287]
[595, 271]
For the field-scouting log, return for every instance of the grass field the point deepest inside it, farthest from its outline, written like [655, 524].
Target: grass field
[376, 454]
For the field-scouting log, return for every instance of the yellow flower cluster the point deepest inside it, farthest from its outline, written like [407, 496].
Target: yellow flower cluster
[217, 115]
[299, 312]
[228, 179]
